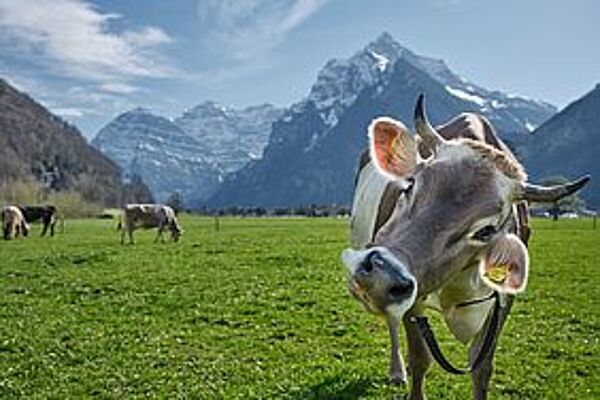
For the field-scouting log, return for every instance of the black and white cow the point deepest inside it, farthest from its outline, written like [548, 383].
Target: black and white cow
[150, 216]
[47, 214]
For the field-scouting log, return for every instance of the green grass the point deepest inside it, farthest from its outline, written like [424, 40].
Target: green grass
[259, 309]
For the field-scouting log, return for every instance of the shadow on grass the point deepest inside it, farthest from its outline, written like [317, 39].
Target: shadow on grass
[340, 388]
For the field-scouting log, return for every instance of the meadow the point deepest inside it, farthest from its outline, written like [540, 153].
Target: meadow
[259, 309]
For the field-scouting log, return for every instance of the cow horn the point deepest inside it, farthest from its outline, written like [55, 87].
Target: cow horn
[548, 194]
[424, 129]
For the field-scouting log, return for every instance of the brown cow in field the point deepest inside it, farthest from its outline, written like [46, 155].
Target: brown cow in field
[13, 223]
[150, 216]
[439, 222]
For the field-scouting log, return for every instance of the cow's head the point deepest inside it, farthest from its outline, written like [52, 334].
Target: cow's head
[455, 210]
[25, 228]
[176, 230]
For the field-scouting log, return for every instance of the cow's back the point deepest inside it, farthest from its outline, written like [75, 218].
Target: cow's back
[12, 214]
[141, 215]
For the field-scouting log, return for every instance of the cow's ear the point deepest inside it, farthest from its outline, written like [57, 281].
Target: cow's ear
[505, 267]
[393, 149]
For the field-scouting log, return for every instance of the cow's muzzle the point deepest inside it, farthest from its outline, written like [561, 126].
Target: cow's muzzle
[380, 281]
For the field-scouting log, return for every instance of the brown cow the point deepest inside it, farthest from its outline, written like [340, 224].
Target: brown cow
[150, 216]
[13, 223]
[440, 223]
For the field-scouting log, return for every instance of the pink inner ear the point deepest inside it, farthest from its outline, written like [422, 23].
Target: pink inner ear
[507, 253]
[392, 148]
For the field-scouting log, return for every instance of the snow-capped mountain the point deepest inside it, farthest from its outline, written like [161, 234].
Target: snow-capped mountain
[313, 148]
[340, 82]
[233, 136]
[167, 159]
[190, 155]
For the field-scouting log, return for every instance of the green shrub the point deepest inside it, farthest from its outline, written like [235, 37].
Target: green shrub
[72, 205]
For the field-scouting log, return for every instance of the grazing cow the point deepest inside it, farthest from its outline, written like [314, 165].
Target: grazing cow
[13, 223]
[150, 216]
[440, 222]
[45, 213]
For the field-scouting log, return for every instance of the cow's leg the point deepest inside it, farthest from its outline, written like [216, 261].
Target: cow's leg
[127, 230]
[481, 376]
[161, 229]
[46, 222]
[397, 368]
[52, 223]
[10, 228]
[419, 360]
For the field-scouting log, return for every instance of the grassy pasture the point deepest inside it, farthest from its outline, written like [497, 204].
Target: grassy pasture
[259, 309]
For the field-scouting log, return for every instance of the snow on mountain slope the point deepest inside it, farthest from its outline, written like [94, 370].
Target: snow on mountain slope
[192, 154]
[329, 124]
[167, 159]
[232, 136]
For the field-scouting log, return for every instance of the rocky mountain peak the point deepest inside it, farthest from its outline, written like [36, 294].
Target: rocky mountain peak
[167, 159]
[206, 109]
[191, 154]
[232, 136]
[313, 148]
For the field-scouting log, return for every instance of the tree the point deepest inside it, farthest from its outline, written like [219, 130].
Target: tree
[572, 203]
[175, 201]
[135, 191]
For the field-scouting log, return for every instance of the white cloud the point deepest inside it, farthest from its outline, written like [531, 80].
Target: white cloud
[119, 88]
[248, 29]
[23, 83]
[75, 39]
[68, 112]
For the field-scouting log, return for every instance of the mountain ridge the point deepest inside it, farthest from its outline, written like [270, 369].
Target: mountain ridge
[38, 146]
[188, 155]
[383, 78]
[568, 145]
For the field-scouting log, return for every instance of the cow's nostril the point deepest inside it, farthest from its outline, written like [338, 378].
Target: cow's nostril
[397, 291]
[400, 291]
[374, 259]
[367, 266]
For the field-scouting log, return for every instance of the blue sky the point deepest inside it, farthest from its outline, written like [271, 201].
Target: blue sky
[91, 60]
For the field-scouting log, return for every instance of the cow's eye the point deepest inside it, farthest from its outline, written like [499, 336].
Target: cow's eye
[485, 234]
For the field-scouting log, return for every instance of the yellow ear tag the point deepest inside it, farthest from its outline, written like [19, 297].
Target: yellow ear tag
[498, 273]
[394, 144]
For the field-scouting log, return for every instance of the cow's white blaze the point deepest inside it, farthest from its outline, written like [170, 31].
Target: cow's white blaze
[369, 191]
